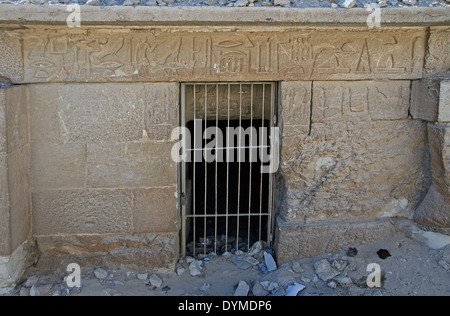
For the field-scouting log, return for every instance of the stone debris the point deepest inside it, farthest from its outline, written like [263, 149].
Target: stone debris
[236, 3]
[205, 287]
[195, 268]
[297, 268]
[180, 271]
[155, 280]
[270, 286]
[242, 289]
[100, 273]
[259, 290]
[142, 276]
[32, 280]
[270, 262]
[282, 2]
[325, 271]
[348, 4]
[40, 289]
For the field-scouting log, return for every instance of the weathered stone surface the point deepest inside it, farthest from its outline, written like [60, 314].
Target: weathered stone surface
[117, 112]
[3, 139]
[58, 166]
[439, 144]
[81, 211]
[44, 114]
[295, 241]
[434, 211]
[425, 100]
[11, 59]
[19, 195]
[161, 109]
[444, 101]
[17, 117]
[155, 210]
[354, 171]
[134, 252]
[437, 58]
[295, 107]
[13, 266]
[139, 164]
[324, 270]
[14, 169]
[216, 55]
[363, 100]
[101, 113]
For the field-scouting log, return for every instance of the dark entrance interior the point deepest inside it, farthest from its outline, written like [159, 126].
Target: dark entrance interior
[223, 192]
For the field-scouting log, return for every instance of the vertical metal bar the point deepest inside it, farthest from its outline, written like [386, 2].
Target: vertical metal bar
[228, 169]
[239, 166]
[206, 172]
[183, 174]
[194, 182]
[250, 172]
[261, 177]
[272, 153]
[215, 176]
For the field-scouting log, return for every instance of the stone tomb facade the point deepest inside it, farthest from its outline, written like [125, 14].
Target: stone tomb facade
[85, 148]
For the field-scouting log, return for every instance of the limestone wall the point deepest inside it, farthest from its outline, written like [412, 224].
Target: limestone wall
[89, 145]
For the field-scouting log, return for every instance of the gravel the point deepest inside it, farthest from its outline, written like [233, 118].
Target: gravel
[337, 4]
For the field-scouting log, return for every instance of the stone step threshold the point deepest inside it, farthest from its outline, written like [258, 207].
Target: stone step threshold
[191, 16]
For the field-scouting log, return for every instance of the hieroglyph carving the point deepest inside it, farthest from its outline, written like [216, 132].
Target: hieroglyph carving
[154, 55]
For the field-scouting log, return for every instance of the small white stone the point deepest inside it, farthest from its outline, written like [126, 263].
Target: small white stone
[242, 289]
[155, 280]
[100, 273]
[142, 276]
[282, 2]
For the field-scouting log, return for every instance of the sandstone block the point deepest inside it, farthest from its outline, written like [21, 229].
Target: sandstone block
[439, 145]
[215, 55]
[360, 101]
[44, 114]
[437, 58]
[58, 166]
[434, 211]
[101, 113]
[155, 210]
[133, 252]
[425, 100]
[140, 164]
[354, 171]
[295, 241]
[3, 139]
[11, 60]
[81, 211]
[295, 107]
[17, 117]
[444, 101]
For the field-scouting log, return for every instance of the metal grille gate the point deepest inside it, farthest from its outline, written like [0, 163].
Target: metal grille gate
[227, 200]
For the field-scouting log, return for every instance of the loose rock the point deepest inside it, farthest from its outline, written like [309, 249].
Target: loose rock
[195, 268]
[155, 280]
[348, 4]
[242, 289]
[282, 2]
[100, 273]
[325, 271]
[142, 276]
[259, 290]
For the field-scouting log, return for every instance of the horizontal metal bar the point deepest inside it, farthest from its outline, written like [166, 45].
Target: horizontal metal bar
[227, 148]
[229, 83]
[227, 215]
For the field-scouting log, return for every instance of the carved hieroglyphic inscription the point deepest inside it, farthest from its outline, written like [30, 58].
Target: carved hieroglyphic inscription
[153, 55]
[360, 100]
[296, 107]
